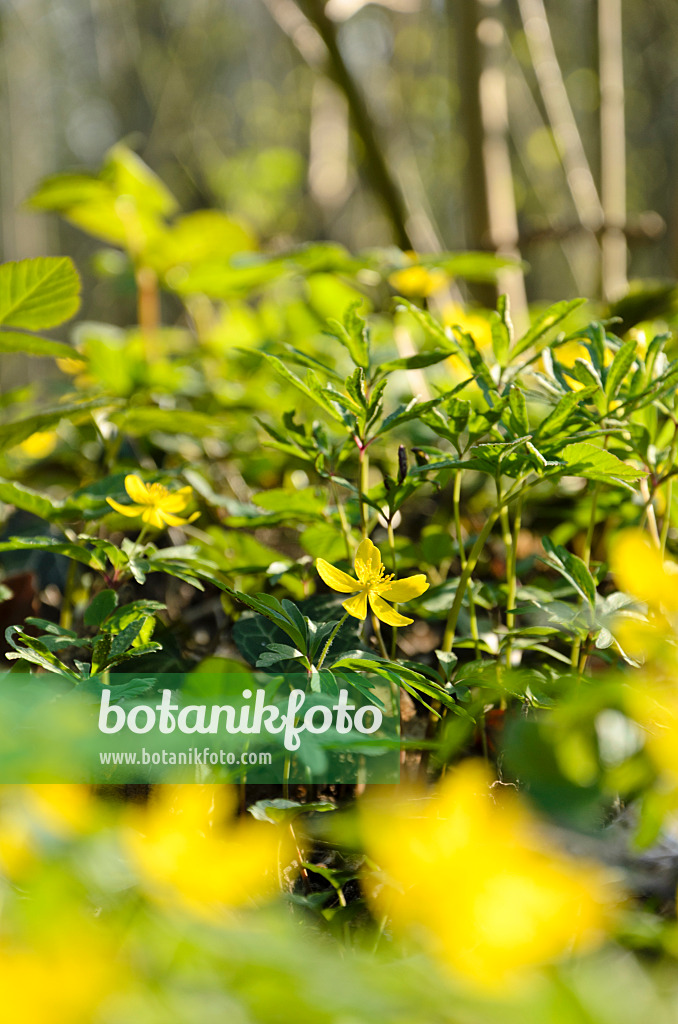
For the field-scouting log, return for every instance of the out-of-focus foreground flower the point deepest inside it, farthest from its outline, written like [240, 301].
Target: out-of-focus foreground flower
[470, 875]
[187, 851]
[651, 697]
[58, 982]
[372, 584]
[154, 503]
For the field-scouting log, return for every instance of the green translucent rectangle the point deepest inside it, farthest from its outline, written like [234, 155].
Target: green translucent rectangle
[233, 727]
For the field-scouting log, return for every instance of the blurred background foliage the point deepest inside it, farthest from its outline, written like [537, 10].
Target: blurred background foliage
[504, 124]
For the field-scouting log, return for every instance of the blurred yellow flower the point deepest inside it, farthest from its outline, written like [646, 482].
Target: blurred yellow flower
[570, 352]
[30, 813]
[372, 584]
[186, 850]
[61, 983]
[154, 503]
[40, 444]
[478, 883]
[418, 281]
[640, 570]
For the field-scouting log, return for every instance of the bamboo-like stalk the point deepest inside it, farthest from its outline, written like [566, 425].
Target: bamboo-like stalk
[492, 220]
[580, 180]
[612, 148]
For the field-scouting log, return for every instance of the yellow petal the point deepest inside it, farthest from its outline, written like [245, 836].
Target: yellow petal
[357, 606]
[171, 520]
[367, 560]
[335, 578]
[641, 571]
[178, 500]
[403, 590]
[136, 489]
[125, 510]
[387, 614]
[151, 516]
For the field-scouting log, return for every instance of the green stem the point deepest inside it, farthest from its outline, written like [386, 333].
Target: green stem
[66, 616]
[474, 555]
[666, 522]
[456, 498]
[363, 487]
[345, 528]
[380, 639]
[330, 640]
[511, 562]
[394, 567]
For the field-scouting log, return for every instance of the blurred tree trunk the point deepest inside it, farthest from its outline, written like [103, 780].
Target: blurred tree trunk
[492, 221]
[612, 148]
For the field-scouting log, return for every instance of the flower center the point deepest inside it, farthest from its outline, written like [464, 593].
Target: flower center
[374, 579]
[156, 493]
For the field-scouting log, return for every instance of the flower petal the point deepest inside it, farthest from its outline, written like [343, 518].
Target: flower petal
[367, 560]
[126, 510]
[387, 614]
[403, 590]
[357, 605]
[137, 489]
[335, 578]
[177, 501]
[171, 520]
[151, 515]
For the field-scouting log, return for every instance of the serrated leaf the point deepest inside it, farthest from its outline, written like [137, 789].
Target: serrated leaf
[573, 569]
[415, 362]
[18, 430]
[592, 463]
[100, 607]
[34, 345]
[518, 407]
[557, 419]
[38, 293]
[621, 364]
[76, 551]
[544, 323]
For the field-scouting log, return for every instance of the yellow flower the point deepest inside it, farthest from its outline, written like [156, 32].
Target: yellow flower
[39, 445]
[62, 981]
[471, 875]
[372, 585]
[154, 503]
[187, 851]
[418, 281]
[640, 570]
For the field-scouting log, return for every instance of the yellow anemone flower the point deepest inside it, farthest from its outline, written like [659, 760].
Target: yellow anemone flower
[372, 585]
[154, 503]
[188, 851]
[641, 570]
[472, 875]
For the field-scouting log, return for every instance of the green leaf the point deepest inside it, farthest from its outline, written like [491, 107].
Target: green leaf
[415, 362]
[34, 345]
[501, 339]
[281, 811]
[557, 419]
[140, 422]
[573, 569]
[316, 392]
[352, 334]
[17, 431]
[592, 463]
[552, 316]
[37, 293]
[620, 367]
[100, 607]
[29, 500]
[76, 551]
[518, 407]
